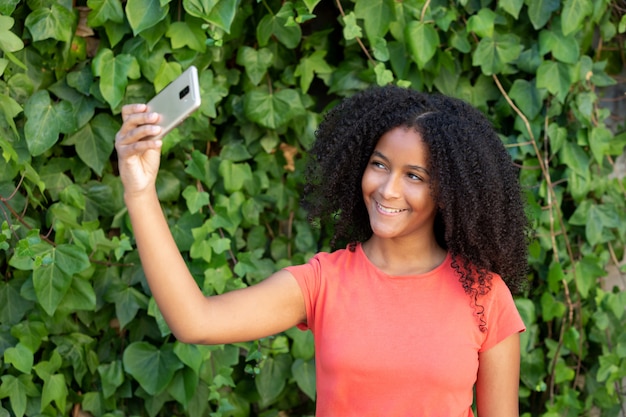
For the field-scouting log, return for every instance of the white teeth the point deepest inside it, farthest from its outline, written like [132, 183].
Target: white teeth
[388, 210]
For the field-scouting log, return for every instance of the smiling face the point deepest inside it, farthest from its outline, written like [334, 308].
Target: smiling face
[396, 187]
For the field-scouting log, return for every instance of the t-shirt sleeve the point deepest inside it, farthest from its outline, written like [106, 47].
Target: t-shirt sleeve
[503, 319]
[308, 278]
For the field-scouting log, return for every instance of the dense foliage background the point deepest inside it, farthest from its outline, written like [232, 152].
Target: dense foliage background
[80, 334]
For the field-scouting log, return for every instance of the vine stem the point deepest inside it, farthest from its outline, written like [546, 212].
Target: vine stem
[422, 16]
[359, 41]
[551, 199]
[20, 218]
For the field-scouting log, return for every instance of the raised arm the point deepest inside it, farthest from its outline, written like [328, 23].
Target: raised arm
[269, 307]
[497, 386]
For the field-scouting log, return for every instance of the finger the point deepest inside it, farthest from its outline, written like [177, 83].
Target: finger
[136, 134]
[130, 109]
[139, 148]
[135, 120]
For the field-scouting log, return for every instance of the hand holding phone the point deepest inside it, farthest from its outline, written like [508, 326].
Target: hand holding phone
[176, 101]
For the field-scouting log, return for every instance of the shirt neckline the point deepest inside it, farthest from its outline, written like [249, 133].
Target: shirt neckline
[435, 271]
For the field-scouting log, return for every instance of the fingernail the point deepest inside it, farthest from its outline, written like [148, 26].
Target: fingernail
[155, 129]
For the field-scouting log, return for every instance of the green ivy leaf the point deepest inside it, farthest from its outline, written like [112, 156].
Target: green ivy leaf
[111, 376]
[183, 386]
[55, 22]
[12, 305]
[595, 218]
[269, 25]
[588, 271]
[153, 368]
[563, 48]
[189, 34]
[556, 77]
[309, 66]
[527, 97]
[493, 54]
[512, 7]
[235, 152]
[218, 244]
[144, 14]
[215, 279]
[575, 158]
[383, 75]
[10, 109]
[423, 41]
[30, 334]
[272, 110]
[128, 301]
[376, 16]
[303, 346]
[482, 23]
[573, 14]
[45, 122]
[198, 167]
[224, 217]
[195, 199]
[212, 90]
[53, 277]
[540, 11]
[556, 277]
[79, 296]
[93, 141]
[255, 62]
[551, 308]
[18, 389]
[102, 11]
[272, 378]
[609, 367]
[304, 374]
[221, 13]
[251, 211]
[191, 355]
[600, 140]
[351, 29]
[234, 175]
[310, 4]
[20, 357]
[114, 72]
[54, 389]
[45, 369]
[380, 49]
[9, 41]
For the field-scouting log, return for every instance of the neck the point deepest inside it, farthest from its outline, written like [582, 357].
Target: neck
[404, 258]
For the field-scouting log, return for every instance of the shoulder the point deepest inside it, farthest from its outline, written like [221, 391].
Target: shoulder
[324, 261]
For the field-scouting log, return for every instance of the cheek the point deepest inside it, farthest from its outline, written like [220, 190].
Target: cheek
[366, 182]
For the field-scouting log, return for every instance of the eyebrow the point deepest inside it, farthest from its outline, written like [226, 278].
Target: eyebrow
[413, 167]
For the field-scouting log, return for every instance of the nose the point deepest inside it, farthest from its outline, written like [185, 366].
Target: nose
[391, 187]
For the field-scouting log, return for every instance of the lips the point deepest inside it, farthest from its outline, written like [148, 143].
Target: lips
[388, 210]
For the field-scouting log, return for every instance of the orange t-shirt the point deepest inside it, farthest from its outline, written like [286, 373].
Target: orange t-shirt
[397, 345]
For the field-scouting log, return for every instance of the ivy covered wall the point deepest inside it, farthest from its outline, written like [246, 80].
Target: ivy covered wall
[79, 332]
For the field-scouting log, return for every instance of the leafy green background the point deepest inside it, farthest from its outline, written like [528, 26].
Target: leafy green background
[79, 331]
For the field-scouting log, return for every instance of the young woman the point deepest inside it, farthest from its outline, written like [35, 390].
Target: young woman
[417, 310]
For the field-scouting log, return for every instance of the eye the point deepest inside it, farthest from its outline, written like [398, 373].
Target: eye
[378, 164]
[414, 177]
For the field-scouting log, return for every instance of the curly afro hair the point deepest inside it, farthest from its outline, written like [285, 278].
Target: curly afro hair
[481, 219]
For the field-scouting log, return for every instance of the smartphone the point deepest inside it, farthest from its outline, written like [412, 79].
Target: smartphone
[177, 101]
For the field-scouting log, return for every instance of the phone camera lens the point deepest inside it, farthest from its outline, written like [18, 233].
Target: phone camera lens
[183, 92]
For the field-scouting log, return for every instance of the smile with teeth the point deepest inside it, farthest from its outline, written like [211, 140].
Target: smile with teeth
[384, 209]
